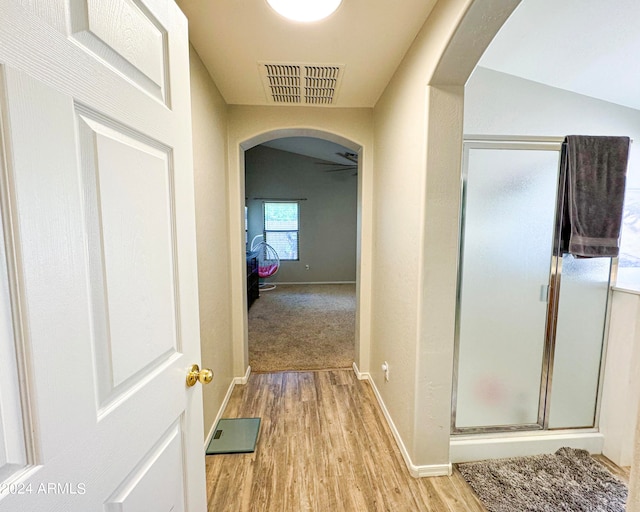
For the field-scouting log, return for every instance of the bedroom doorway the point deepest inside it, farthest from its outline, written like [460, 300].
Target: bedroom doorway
[301, 198]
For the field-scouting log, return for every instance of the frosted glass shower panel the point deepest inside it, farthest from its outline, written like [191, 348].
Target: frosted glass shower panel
[507, 240]
[581, 318]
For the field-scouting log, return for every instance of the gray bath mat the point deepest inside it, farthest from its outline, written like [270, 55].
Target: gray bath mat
[569, 481]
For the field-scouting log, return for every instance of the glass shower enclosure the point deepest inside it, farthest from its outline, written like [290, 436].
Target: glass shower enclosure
[530, 321]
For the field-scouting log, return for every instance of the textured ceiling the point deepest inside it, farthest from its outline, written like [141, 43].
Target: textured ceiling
[369, 37]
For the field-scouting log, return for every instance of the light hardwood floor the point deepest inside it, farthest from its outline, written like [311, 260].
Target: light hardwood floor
[324, 446]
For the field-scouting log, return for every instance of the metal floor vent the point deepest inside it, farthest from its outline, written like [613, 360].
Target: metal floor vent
[301, 84]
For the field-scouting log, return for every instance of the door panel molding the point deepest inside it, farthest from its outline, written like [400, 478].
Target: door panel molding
[17, 446]
[134, 43]
[157, 482]
[148, 242]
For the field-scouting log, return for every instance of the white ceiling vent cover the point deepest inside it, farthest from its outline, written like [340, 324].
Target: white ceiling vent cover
[301, 84]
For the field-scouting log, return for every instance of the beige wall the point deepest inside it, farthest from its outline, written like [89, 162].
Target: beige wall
[209, 117]
[249, 126]
[418, 136]
[415, 230]
[408, 201]
[633, 502]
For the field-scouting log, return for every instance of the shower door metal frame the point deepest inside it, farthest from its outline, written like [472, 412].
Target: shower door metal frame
[552, 315]
[553, 290]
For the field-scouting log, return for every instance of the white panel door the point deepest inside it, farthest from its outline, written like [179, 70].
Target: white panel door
[99, 317]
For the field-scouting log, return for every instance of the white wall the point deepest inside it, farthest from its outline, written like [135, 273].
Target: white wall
[500, 104]
[621, 389]
[209, 119]
[327, 236]
[523, 107]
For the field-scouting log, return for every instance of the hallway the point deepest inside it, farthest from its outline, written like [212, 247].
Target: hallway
[324, 445]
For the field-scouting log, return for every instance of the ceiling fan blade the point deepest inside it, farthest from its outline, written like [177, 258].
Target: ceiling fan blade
[352, 157]
[334, 164]
[351, 168]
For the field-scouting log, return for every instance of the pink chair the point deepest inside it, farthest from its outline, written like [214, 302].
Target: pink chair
[268, 264]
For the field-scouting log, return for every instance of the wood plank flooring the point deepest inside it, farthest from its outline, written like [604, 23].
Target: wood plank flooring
[621, 472]
[324, 446]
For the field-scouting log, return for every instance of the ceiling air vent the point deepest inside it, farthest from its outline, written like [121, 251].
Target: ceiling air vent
[301, 84]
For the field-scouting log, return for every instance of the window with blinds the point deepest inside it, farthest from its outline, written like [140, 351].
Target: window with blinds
[281, 228]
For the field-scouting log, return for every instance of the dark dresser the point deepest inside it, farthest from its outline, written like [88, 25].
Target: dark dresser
[253, 285]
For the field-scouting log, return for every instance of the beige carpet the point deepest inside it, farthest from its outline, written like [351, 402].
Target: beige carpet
[303, 327]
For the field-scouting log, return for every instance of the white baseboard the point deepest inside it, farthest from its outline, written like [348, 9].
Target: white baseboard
[479, 447]
[235, 381]
[311, 282]
[431, 470]
[361, 375]
[243, 380]
[415, 471]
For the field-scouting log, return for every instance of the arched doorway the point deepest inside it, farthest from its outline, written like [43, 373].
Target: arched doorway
[363, 255]
[301, 233]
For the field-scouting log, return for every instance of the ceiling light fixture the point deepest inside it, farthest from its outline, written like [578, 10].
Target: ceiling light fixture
[304, 10]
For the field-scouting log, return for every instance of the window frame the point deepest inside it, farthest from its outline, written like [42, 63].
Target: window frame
[265, 231]
[626, 274]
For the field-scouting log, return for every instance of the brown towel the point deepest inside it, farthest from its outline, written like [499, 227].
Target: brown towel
[594, 172]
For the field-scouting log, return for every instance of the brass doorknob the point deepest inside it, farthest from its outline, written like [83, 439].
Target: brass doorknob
[196, 374]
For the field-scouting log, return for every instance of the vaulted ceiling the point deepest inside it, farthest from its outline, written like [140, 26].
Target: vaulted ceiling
[590, 47]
